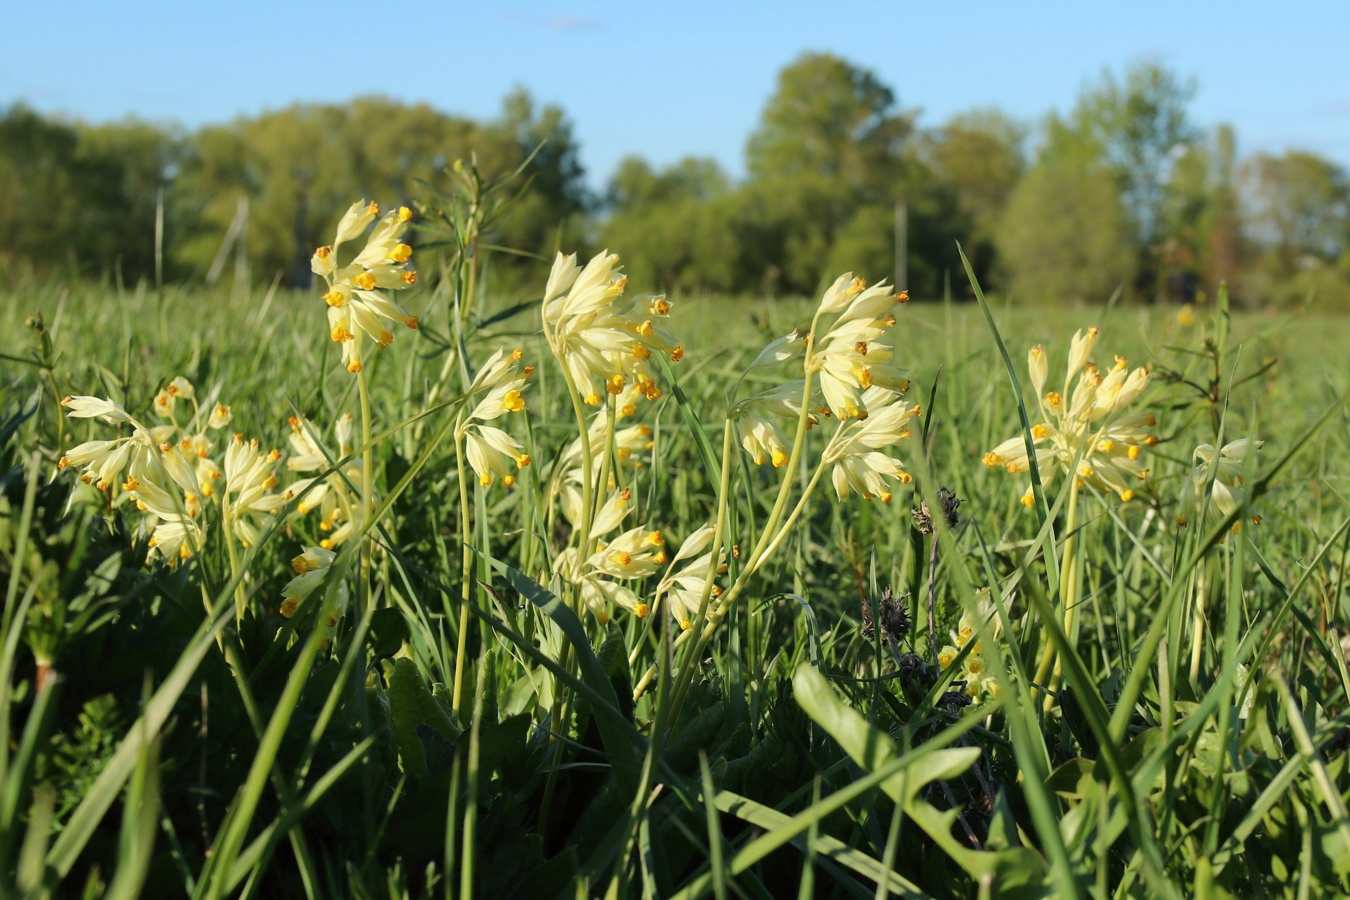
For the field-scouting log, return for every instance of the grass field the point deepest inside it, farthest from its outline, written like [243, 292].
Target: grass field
[481, 690]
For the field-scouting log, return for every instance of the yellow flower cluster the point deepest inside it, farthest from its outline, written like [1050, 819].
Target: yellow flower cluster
[169, 471]
[855, 352]
[330, 493]
[1085, 430]
[1228, 468]
[635, 554]
[603, 338]
[492, 453]
[974, 669]
[356, 308]
[683, 589]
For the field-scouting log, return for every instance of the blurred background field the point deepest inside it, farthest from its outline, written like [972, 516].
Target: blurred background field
[877, 713]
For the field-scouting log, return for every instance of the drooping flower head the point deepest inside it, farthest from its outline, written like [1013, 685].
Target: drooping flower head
[1228, 467]
[855, 352]
[683, 585]
[357, 308]
[330, 493]
[601, 336]
[250, 488]
[856, 451]
[635, 554]
[493, 453]
[159, 478]
[1085, 430]
[633, 445]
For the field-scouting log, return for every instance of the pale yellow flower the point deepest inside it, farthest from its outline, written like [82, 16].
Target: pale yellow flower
[329, 493]
[104, 461]
[602, 337]
[683, 589]
[634, 554]
[856, 451]
[173, 524]
[855, 352]
[491, 452]
[1085, 431]
[1228, 467]
[160, 476]
[250, 484]
[757, 421]
[312, 568]
[356, 307]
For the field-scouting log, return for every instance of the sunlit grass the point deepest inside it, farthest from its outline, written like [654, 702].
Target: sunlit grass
[473, 723]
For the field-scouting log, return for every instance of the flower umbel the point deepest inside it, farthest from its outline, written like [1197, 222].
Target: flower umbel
[1085, 431]
[1229, 467]
[601, 336]
[356, 306]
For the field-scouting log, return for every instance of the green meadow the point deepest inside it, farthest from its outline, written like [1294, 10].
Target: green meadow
[365, 666]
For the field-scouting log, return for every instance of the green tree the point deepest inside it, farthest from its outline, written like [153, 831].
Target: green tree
[827, 143]
[1300, 220]
[1301, 208]
[676, 228]
[1138, 125]
[92, 189]
[978, 158]
[1066, 234]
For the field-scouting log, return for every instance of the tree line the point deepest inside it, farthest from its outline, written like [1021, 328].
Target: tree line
[1124, 192]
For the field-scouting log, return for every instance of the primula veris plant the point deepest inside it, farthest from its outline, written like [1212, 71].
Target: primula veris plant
[1086, 430]
[498, 390]
[330, 493]
[167, 471]
[1220, 475]
[603, 337]
[357, 308]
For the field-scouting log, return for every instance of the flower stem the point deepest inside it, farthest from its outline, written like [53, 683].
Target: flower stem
[1068, 595]
[227, 526]
[367, 492]
[466, 572]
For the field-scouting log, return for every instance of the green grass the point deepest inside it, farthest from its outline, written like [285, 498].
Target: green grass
[1194, 743]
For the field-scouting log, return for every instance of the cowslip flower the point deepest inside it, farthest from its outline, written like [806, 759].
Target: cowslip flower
[635, 554]
[855, 451]
[683, 589]
[249, 496]
[1085, 431]
[160, 476]
[854, 353]
[356, 307]
[757, 421]
[178, 389]
[329, 493]
[633, 445]
[311, 569]
[492, 453]
[603, 338]
[974, 668]
[174, 529]
[104, 461]
[1229, 467]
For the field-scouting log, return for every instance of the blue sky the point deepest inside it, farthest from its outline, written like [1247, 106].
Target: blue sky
[670, 80]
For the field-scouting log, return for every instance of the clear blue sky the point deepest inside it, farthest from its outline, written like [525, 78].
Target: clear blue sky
[669, 80]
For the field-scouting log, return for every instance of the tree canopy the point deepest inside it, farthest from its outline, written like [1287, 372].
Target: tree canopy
[1124, 191]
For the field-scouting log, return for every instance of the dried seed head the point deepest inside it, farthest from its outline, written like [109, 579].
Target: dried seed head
[923, 519]
[950, 503]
